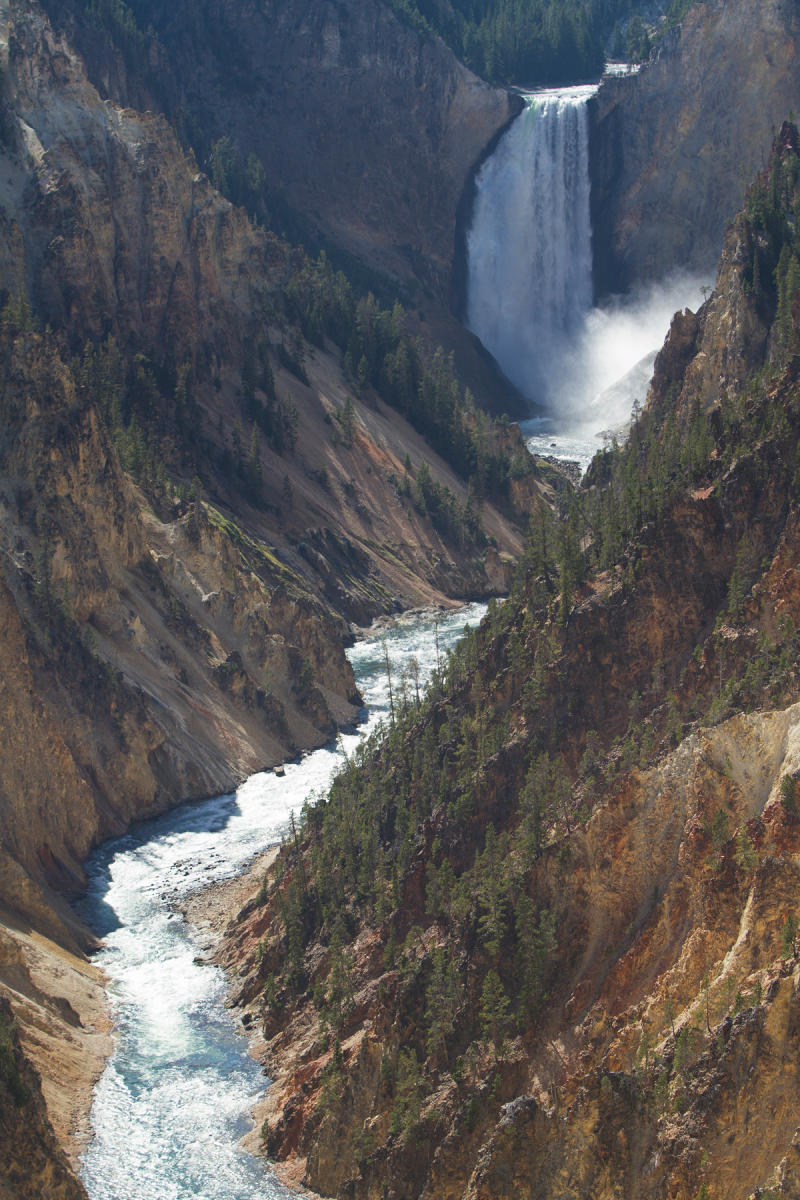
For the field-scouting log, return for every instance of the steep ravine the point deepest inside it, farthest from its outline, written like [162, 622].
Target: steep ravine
[164, 635]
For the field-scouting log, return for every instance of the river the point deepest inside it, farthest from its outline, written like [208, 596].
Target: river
[177, 1091]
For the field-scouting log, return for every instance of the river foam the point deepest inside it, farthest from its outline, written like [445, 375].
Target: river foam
[177, 1092]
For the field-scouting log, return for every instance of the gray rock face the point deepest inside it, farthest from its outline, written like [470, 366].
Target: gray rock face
[674, 147]
[369, 130]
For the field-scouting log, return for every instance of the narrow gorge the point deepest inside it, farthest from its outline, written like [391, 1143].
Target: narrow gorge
[178, 1090]
[537, 936]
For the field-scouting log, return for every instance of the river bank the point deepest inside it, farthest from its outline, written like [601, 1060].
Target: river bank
[212, 913]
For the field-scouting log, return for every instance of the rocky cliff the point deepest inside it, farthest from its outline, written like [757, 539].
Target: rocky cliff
[148, 660]
[575, 970]
[363, 133]
[371, 130]
[673, 148]
[31, 1163]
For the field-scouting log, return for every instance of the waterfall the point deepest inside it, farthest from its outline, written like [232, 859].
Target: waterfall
[529, 249]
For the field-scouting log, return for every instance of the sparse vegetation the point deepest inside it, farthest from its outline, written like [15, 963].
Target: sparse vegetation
[9, 1071]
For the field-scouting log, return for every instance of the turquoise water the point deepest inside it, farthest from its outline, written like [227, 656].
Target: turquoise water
[176, 1094]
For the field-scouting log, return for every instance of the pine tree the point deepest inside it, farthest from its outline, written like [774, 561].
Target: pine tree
[254, 472]
[490, 887]
[443, 999]
[494, 1011]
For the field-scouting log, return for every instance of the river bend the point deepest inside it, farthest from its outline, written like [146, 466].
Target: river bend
[176, 1094]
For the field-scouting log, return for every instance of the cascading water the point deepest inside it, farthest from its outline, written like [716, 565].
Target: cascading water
[529, 283]
[529, 249]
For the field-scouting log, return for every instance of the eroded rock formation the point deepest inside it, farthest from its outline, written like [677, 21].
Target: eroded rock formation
[32, 1164]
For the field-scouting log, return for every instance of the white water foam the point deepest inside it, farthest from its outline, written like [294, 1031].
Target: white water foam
[529, 275]
[176, 1095]
[608, 369]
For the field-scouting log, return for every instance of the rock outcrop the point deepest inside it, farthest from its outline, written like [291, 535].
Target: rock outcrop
[673, 148]
[32, 1165]
[147, 660]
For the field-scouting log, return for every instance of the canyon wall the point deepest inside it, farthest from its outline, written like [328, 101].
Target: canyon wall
[369, 129]
[673, 147]
[366, 133]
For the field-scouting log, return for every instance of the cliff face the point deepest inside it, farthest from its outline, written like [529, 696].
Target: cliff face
[107, 224]
[31, 1163]
[673, 147]
[147, 660]
[667, 1054]
[362, 134]
[576, 970]
[114, 232]
[370, 130]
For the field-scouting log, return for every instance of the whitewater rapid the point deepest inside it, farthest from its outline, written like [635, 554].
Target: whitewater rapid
[176, 1094]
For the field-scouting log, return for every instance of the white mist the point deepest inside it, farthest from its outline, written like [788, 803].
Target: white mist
[607, 368]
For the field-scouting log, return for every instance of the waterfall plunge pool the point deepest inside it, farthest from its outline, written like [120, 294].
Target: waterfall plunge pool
[177, 1091]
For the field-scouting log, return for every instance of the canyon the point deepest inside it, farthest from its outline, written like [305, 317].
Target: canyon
[219, 461]
[165, 640]
[191, 627]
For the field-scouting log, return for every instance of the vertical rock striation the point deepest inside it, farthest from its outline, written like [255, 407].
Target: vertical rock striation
[369, 129]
